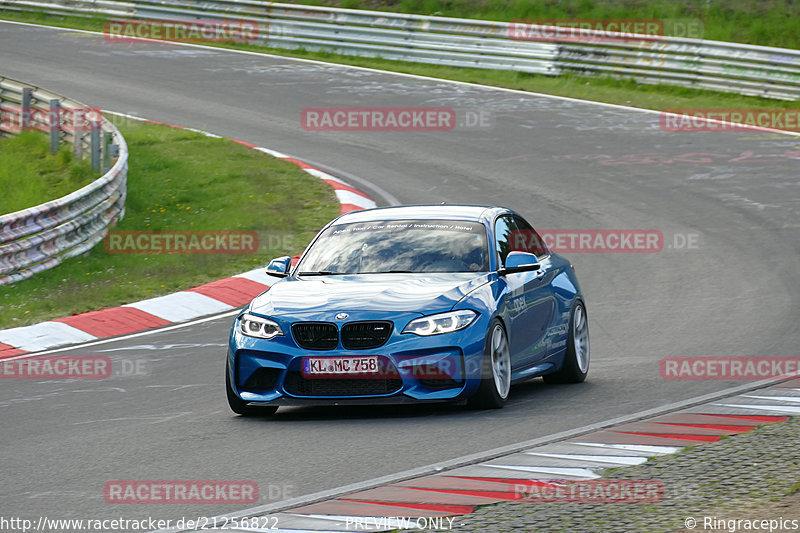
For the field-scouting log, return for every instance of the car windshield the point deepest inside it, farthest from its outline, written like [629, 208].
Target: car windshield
[398, 246]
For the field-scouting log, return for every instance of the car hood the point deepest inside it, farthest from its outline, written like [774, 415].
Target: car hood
[422, 293]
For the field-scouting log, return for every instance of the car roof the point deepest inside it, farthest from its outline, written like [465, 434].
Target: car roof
[474, 213]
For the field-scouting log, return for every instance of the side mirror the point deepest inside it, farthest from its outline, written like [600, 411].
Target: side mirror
[279, 267]
[519, 262]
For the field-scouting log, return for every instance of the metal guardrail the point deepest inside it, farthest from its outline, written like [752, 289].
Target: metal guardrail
[729, 67]
[41, 237]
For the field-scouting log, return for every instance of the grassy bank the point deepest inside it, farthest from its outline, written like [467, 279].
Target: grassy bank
[179, 180]
[30, 175]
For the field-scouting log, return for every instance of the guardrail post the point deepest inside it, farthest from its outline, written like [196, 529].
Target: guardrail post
[107, 151]
[54, 123]
[77, 148]
[95, 147]
[77, 136]
[25, 119]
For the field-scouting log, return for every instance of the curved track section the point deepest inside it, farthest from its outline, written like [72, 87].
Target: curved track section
[563, 163]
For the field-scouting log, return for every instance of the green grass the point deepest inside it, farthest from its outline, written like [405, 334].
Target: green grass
[602, 89]
[30, 175]
[180, 180]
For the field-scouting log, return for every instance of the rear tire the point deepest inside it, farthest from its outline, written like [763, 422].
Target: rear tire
[576, 359]
[240, 407]
[496, 370]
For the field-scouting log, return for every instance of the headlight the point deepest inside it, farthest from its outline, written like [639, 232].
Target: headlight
[262, 328]
[441, 323]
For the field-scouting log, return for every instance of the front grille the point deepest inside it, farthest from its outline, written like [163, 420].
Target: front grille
[262, 380]
[316, 335]
[297, 385]
[364, 335]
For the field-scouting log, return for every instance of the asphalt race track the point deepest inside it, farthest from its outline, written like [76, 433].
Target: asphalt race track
[561, 163]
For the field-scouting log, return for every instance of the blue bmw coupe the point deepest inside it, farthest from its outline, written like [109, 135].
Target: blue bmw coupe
[430, 303]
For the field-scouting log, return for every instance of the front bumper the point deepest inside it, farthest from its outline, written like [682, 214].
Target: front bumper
[413, 369]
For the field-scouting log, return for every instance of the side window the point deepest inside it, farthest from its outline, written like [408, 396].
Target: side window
[525, 239]
[503, 235]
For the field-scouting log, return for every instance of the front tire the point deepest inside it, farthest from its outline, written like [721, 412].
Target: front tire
[576, 358]
[240, 407]
[496, 370]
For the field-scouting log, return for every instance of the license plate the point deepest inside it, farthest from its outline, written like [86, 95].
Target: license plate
[340, 365]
